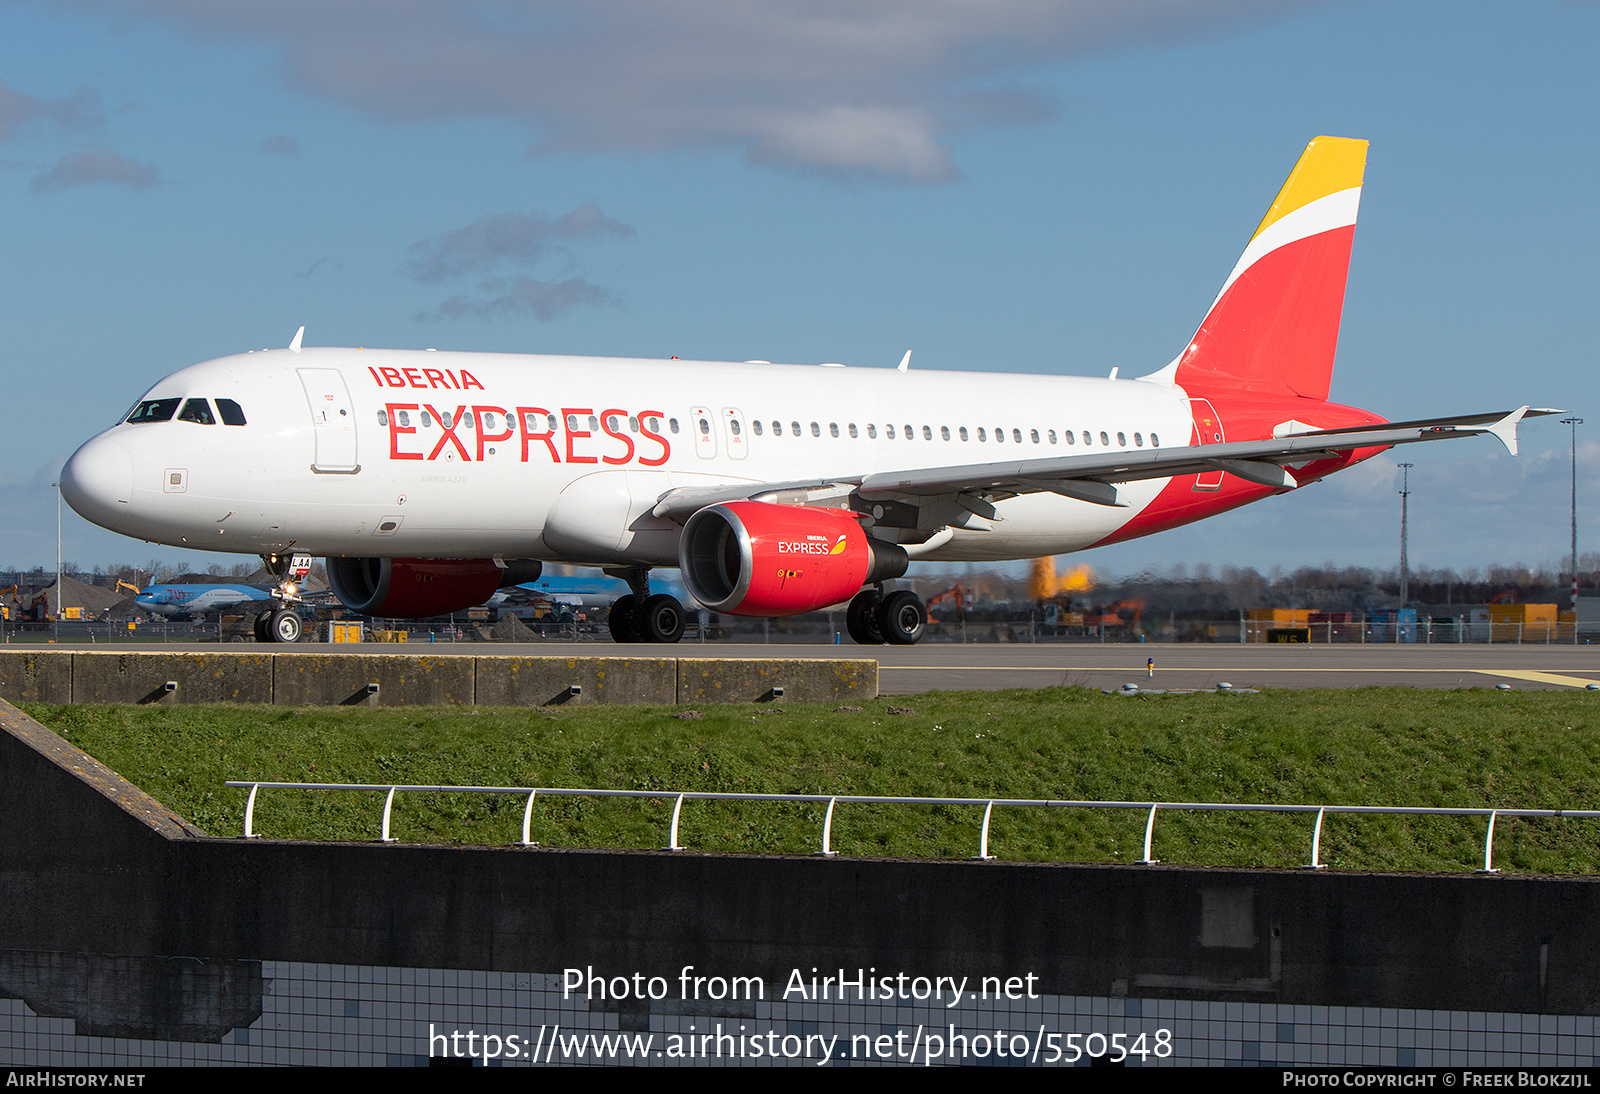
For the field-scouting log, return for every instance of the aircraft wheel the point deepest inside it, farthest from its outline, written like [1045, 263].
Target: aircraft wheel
[284, 626]
[661, 619]
[901, 618]
[263, 621]
[861, 619]
[622, 623]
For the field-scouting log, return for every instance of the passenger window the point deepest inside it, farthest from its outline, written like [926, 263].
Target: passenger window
[1052, 435]
[1122, 439]
[1105, 440]
[816, 430]
[1155, 442]
[550, 422]
[154, 410]
[872, 431]
[833, 429]
[982, 436]
[405, 420]
[963, 432]
[383, 418]
[853, 433]
[1000, 436]
[1016, 435]
[672, 424]
[1069, 437]
[911, 434]
[1138, 441]
[733, 426]
[794, 427]
[756, 426]
[232, 413]
[1034, 433]
[1087, 439]
[705, 428]
[197, 411]
[633, 423]
[888, 431]
[427, 420]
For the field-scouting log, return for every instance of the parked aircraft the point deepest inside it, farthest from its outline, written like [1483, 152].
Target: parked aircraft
[430, 479]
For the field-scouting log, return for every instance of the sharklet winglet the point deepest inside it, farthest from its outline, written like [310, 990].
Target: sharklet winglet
[1506, 429]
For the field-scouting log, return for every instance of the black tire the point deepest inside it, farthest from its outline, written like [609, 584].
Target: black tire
[285, 626]
[622, 622]
[901, 618]
[861, 619]
[263, 621]
[661, 619]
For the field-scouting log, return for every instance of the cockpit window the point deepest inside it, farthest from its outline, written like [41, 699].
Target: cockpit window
[232, 413]
[154, 410]
[197, 411]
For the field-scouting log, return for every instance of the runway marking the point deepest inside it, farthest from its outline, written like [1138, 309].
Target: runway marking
[1540, 677]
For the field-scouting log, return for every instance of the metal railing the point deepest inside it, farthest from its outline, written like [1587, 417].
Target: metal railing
[679, 797]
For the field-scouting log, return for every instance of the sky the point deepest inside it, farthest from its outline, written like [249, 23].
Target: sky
[1047, 186]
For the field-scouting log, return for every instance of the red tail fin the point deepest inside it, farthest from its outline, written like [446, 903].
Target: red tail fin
[1274, 326]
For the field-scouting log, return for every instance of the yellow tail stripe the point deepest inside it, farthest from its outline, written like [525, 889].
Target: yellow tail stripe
[1328, 165]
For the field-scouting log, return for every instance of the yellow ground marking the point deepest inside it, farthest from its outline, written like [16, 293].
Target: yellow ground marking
[1539, 677]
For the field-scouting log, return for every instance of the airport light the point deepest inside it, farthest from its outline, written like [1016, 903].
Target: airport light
[1574, 423]
[57, 485]
[1405, 571]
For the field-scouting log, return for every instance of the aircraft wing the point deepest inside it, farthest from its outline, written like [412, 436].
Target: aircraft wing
[1094, 477]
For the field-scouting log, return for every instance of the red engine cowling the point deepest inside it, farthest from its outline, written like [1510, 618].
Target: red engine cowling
[414, 588]
[755, 558]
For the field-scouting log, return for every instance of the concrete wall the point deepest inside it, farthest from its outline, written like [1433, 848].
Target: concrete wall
[88, 864]
[418, 679]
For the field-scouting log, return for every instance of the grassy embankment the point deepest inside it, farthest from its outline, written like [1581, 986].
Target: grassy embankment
[1366, 747]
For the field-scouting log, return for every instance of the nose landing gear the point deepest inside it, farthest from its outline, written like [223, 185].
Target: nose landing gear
[281, 623]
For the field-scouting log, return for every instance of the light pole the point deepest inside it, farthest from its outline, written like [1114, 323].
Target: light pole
[1405, 569]
[56, 626]
[1574, 423]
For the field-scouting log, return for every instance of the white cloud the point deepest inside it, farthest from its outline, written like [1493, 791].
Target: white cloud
[98, 165]
[506, 238]
[80, 110]
[494, 243]
[835, 86]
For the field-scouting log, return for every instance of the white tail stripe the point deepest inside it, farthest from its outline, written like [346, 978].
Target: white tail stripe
[1337, 210]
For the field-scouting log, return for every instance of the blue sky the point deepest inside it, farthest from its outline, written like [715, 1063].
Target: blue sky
[1023, 185]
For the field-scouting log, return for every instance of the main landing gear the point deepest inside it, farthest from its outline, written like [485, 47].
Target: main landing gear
[874, 618]
[641, 617]
[281, 623]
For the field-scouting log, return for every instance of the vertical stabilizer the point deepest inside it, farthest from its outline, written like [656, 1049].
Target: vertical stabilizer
[1275, 325]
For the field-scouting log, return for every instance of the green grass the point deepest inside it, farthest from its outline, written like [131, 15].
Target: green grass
[1387, 746]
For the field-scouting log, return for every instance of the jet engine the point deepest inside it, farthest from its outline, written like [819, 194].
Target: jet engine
[756, 558]
[415, 588]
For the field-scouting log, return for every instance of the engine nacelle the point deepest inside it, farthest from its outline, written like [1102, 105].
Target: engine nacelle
[755, 558]
[416, 588]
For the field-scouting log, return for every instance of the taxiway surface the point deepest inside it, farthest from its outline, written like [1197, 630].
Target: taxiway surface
[946, 666]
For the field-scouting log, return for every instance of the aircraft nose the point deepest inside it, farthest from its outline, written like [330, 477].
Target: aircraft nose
[97, 481]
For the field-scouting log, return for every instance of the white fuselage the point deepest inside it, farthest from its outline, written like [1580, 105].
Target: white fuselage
[345, 451]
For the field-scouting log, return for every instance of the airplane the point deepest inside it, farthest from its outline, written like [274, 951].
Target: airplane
[569, 592]
[432, 479]
[174, 600]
